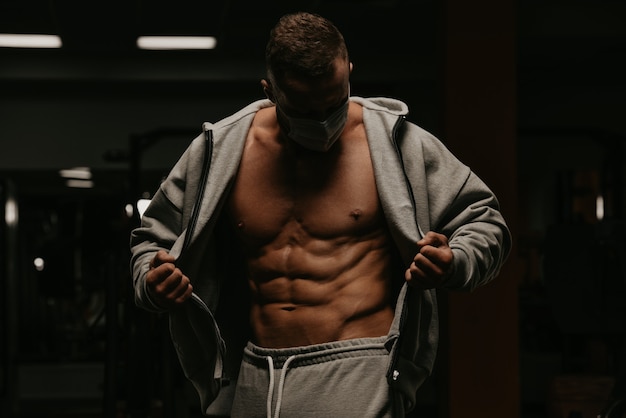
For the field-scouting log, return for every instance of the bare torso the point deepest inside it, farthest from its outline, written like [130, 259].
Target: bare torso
[314, 238]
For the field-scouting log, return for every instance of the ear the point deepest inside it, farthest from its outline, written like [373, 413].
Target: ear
[267, 89]
[351, 66]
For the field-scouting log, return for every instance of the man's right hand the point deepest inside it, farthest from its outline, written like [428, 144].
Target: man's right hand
[167, 285]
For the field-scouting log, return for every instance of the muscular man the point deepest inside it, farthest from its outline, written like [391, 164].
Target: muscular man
[325, 198]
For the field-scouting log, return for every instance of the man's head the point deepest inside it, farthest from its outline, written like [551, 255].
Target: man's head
[303, 45]
[308, 79]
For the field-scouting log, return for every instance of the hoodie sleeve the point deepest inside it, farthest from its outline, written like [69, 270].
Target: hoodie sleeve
[452, 200]
[161, 225]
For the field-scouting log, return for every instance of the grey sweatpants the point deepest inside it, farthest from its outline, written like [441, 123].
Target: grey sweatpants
[338, 379]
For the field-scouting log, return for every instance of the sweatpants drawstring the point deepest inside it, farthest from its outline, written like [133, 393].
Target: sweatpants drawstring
[281, 385]
[270, 389]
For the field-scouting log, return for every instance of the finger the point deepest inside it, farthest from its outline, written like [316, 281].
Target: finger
[426, 257]
[160, 274]
[186, 294]
[174, 280]
[427, 266]
[434, 239]
[161, 257]
[180, 293]
[441, 256]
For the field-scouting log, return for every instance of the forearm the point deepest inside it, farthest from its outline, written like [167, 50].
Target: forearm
[160, 228]
[479, 238]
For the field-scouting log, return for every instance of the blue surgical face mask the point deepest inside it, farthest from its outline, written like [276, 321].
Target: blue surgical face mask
[317, 135]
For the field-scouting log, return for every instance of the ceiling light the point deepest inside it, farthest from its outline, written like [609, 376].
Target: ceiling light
[77, 177]
[176, 42]
[81, 173]
[79, 184]
[11, 212]
[39, 263]
[29, 41]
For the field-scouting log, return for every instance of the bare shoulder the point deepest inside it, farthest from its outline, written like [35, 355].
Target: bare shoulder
[356, 111]
[264, 128]
[355, 128]
[355, 118]
[265, 117]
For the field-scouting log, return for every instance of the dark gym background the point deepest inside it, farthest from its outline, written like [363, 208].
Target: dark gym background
[531, 94]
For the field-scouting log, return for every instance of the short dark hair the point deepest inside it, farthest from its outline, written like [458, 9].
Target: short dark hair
[305, 45]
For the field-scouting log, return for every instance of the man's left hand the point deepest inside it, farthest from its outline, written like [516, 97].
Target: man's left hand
[432, 263]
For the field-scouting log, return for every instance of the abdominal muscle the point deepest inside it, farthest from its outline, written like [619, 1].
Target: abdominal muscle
[314, 237]
[316, 291]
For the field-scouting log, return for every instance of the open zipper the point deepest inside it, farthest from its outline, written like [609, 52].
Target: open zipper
[193, 220]
[392, 371]
[195, 211]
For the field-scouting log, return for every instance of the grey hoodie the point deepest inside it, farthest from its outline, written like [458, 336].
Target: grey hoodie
[422, 186]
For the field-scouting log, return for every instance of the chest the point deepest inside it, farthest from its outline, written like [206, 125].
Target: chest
[326, 195]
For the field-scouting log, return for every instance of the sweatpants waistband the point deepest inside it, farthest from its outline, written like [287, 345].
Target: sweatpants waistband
[316, 353]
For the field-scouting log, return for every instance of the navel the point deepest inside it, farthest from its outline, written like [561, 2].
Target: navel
[356, 214]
